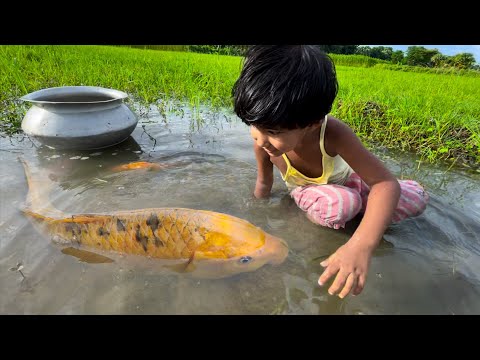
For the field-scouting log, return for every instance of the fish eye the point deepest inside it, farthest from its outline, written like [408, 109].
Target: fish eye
[245, 259]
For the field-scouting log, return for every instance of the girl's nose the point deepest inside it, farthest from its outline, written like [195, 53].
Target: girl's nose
[260, 139]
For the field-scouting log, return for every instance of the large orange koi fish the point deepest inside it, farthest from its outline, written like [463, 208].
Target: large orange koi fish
[204, 243]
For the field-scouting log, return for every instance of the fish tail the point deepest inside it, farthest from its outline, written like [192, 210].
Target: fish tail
[38, 201]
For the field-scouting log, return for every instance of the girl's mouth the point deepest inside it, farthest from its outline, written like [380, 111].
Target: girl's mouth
[271, 152]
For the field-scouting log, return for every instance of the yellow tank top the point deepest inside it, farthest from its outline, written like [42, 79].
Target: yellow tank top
[335, 169]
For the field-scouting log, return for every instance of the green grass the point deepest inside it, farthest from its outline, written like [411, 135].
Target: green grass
[356, 60]
[160, 47]
[434, 70]
[435, 115]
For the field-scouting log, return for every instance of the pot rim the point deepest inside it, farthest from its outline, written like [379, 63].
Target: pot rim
[36, 96]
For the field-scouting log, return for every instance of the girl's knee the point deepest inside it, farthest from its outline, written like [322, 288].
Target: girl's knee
[413, 200]
[328, 205]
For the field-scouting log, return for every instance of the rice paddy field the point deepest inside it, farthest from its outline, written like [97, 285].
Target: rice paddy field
[433, 115]
[423, 125]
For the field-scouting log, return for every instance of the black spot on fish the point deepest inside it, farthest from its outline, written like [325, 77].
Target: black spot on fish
[153, 222]
[74, 228]
[141, 238]
[120, 225]
[102, 232]
[158, 242]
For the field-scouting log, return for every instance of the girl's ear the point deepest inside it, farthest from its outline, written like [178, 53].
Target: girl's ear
[314, 126]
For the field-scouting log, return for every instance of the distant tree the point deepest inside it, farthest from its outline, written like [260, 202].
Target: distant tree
[238, 50]
[363, 50]
[242, 48]
[415, 56]
[440, 60]
[377, 52]
[339, 49]
[397, 57]
[382, 52]
[463, 60]
[420, 56]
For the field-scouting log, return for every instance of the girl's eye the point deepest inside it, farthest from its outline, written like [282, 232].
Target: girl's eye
[271, 132]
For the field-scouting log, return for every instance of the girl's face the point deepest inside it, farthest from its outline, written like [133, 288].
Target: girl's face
[277, 142]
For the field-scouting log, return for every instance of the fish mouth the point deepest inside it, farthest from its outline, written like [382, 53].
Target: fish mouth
[277, 248]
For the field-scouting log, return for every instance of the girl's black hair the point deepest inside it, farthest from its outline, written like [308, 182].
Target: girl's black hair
[285, 86]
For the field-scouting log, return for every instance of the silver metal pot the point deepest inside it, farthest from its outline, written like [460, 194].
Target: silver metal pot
[78, 117]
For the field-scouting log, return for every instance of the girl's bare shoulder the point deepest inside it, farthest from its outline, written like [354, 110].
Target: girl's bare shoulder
[335, 133]
[336, 127]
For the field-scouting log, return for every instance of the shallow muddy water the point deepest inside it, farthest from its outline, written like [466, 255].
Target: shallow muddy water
[426, 265]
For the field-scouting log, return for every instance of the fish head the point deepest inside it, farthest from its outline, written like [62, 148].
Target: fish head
[274, 252]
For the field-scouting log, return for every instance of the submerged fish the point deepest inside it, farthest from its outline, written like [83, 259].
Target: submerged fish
[205, 243]
[141, 165]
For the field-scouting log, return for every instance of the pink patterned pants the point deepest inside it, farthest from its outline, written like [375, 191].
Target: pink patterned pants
[333, 205]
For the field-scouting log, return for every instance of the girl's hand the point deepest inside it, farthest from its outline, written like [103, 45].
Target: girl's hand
[350, 262]
[262, 191]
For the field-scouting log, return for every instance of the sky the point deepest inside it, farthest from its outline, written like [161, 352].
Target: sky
[449, 50]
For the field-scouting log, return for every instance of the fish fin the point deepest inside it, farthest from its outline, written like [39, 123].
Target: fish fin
[189, 266]
[184, 267]
[39, 188]
[87, 256]
[85, 218]
[181, 268]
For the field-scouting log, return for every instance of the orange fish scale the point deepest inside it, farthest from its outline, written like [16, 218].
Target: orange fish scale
[170, 238]
[159, 233]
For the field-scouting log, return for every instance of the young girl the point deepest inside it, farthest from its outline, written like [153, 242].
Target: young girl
[285, 93]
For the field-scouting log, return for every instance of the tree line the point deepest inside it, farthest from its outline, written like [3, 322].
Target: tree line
[414, 56]
[419, 56]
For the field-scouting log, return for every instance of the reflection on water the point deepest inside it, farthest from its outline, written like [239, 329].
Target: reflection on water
[425, 265]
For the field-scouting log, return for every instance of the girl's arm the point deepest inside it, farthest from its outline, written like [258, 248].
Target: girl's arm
[264, 182]
[351, 260]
